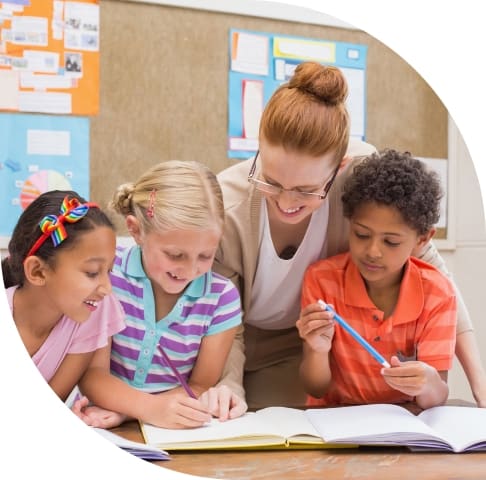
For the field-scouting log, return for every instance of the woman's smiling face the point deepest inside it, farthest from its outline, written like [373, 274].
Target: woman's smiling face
[294, 171]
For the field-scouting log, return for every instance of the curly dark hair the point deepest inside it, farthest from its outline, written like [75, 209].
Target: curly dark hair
[399, 180]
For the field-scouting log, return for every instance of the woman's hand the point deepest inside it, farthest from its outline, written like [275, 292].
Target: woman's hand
[223, 403]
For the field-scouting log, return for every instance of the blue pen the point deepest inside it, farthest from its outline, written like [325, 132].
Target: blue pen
[355, 335]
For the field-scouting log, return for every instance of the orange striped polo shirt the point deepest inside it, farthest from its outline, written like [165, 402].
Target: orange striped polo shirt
[422, 327]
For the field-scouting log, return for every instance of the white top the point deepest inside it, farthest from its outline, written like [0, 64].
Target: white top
[275, 302]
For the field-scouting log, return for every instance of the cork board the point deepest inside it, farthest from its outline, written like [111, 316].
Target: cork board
[164, 89]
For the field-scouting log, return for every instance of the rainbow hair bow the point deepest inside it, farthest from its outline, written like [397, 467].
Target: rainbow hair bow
[53, 225]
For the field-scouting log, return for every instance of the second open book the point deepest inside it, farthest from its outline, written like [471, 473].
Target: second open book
[450, 428]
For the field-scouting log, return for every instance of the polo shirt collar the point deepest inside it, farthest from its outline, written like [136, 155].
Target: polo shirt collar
[411, 299]
[131, 265]
[200, 286]
[131, 262]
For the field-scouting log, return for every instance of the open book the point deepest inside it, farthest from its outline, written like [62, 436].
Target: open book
[450, 428]
[269, 428]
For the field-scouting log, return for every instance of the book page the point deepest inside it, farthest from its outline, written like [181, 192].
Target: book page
[460, 426]
[381, 424]
[288, 422]
[269, 426]
[248, 426]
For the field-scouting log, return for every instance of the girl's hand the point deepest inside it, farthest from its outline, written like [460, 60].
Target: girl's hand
[223, 403]
[176, 410]
[79, 406]
[95, 416]
[316, 327]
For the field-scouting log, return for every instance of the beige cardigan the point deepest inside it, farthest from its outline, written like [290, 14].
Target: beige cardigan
[238, 251]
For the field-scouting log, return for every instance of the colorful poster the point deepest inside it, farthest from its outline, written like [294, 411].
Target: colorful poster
[49, 56]
[261, 62]
[39, 153]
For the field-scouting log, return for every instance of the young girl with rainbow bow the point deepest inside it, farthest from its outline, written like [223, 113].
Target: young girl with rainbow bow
[58, 287]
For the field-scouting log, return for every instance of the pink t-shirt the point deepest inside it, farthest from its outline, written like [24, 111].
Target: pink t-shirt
[69, 336]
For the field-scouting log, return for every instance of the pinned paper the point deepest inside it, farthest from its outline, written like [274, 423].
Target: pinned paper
[287, 47]
[9, 90]
[249, 53]
[252, 107]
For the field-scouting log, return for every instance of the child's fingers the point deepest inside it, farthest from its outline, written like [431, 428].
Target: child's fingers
[195, 409]
[404, 369]
[315, 310]
[314, 326]
[79, 405]
[191, 415]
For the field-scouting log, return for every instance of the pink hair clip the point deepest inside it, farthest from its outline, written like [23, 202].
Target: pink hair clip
[150, 209]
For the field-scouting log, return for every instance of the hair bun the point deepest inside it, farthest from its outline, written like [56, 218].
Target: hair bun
[327, 83]
[121, 201]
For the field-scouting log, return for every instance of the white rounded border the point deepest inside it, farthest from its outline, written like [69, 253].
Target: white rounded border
[443, 41]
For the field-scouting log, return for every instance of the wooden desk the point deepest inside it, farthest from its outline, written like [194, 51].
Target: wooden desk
[356, 464]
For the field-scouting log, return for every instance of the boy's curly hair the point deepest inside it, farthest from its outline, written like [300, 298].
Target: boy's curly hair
[398, 180]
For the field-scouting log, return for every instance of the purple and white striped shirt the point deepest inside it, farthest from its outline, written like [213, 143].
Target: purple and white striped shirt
[209, 305]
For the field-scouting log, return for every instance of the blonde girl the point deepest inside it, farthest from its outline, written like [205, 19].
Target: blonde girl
[181, 317]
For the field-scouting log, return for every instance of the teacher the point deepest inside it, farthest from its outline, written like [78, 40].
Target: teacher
[283, 212]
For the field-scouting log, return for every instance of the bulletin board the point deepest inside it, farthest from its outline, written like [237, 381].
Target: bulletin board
[49, 56]
[164, 91]
[260, 62]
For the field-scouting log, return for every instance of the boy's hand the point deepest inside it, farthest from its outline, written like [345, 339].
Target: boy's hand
[316, 327]
[411, 378]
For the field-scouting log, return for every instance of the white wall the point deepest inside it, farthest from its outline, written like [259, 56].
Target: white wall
[468, 259]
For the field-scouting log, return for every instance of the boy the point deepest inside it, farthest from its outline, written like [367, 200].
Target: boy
[404, 307]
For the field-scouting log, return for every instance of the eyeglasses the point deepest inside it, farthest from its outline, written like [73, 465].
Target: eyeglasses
[274, 190]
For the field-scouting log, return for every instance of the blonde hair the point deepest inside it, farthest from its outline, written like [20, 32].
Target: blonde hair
[181, 195]
[308, 114]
